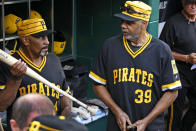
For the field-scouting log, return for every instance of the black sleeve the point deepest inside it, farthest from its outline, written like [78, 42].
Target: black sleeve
[168, 34]
[98, 71]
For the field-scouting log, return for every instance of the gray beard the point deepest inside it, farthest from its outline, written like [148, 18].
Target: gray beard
[43, 54]
[132, 38]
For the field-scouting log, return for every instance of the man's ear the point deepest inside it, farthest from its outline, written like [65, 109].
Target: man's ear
[25, 40]
[145, 24]
[14, 125]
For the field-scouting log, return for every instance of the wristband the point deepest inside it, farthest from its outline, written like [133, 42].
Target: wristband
[187, 58]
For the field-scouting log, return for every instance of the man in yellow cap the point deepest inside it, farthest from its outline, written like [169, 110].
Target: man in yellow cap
[34, 54]
[139, 72]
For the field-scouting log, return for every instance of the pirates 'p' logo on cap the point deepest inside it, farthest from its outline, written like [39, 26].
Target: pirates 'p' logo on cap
[43, 24]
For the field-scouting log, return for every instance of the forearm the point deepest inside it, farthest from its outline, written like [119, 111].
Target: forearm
[8, 95]
[166, 100]
[104, 95]
[65, 106]
[188, 58]
[180, 57]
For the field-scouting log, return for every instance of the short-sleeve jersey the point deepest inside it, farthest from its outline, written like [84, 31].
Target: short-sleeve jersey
[136, 80]
[50, 68]
[180, 35]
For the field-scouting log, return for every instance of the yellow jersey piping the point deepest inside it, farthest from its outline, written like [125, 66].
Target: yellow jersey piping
[39, 68]
[97, 78]
[131, 52]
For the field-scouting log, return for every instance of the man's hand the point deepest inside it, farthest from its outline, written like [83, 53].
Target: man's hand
[18, 70]
[122, 119]
[192, 58]
[140, 124]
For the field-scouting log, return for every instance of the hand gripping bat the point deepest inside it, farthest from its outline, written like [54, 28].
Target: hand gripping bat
[10, 60]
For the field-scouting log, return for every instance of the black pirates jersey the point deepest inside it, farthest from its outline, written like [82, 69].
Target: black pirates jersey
[50, 68]
[136, 80]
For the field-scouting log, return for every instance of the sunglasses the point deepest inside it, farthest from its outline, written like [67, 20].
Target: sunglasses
[130, 10]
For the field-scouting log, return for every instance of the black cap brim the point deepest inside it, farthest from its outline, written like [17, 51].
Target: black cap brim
[125, 17]
[43, 33]
[189, 1]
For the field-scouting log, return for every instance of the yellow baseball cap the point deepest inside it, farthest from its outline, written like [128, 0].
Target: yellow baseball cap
[35, 14]
[36, 27]
[10, 23]
[59, 42]
[134, 11]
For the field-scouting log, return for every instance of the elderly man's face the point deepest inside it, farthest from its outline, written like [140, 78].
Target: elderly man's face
[190, 8]
[131, 29]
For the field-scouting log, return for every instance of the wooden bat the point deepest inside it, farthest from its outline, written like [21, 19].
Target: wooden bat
[10, 60]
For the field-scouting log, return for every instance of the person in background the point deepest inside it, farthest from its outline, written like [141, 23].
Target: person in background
[179, 33]
[27, 107]
[34, 54]
[134, 74]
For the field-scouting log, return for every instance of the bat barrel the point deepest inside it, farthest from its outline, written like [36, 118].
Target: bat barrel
[6, 58]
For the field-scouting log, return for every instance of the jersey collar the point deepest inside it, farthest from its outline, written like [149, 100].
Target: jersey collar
[136, 53]
[29, 62]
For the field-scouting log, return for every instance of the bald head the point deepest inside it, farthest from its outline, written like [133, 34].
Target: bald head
[29, 106]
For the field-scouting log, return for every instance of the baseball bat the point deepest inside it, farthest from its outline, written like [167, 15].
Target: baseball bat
[10, 60]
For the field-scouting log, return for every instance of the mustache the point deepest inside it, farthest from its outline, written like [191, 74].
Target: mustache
[46, 47]
[124, 30]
